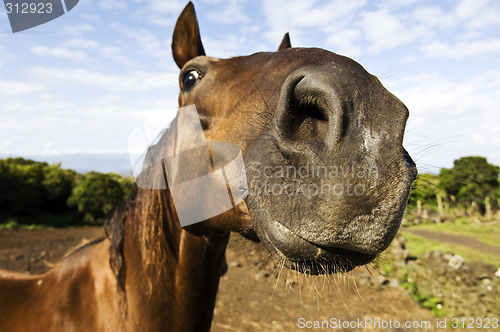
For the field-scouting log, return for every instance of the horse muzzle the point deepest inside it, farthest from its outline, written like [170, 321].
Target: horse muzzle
[346, 131]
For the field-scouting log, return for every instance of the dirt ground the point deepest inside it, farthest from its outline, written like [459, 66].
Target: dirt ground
[255, 294]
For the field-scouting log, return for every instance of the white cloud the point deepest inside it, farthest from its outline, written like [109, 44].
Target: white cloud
[58, 52]
[118, 55]
[159, 13]
[461, 49]
[461, 118]
[385, 30]
[10, 88]
[478, 14]
[160, 21]
[167, 6]
[346, 42]
[113, 4]
[432, 94]
[297, 16]
[91, 17]
[355, 30]
[432, 17]
[132, 81]
[395, 4]
[32, 117]
[4, 145]
[229, 11]
[5, 55]
[148, 42]
[101, 125]
[2, 56]
[81, 43]
[76, 30]
[225, 46]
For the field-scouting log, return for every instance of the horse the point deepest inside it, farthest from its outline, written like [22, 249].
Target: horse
[327, 184]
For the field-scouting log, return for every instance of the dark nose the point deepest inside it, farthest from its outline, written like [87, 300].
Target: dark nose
[310, 111]
[328, 107]
[410, 165]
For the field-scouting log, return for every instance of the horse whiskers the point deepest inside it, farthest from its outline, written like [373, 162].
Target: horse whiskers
[278, 271]
[355, 287]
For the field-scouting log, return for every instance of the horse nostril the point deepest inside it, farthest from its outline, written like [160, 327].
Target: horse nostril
[307, 121]
[309, 109]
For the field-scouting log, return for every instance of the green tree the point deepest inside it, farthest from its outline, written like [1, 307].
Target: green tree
[96, 195]
[471, 179]
[21, 189]
[58, 184]
[424, 189]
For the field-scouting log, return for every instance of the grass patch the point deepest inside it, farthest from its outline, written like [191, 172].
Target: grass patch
[41, 221]
[429, 302]
[418, 245]
[12, 224]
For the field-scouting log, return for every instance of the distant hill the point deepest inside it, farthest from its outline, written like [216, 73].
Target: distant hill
[86, 162]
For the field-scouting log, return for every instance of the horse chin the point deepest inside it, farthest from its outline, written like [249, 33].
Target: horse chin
[297, 253]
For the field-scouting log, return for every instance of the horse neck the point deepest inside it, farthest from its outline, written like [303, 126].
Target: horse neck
[197, 275]
[175, 274]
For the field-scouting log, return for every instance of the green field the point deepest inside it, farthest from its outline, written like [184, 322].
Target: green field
[485, 233]
[489, 234]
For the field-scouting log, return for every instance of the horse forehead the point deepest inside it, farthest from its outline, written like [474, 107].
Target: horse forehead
[259, 77]
[275, 61]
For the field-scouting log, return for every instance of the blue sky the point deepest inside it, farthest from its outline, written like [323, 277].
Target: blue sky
[83, 82]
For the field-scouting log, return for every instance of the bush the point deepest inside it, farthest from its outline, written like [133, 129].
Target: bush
[96, 195]
[36, 193]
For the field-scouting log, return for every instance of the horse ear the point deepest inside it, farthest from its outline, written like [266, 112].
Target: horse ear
[285, 42]
[186, 41]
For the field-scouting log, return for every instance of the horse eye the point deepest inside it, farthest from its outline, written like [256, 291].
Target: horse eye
[190, 79]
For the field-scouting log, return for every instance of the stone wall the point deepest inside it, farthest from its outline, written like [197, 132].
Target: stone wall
[467, 289]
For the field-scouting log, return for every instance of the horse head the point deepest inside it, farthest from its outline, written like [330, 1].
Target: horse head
[321, 138]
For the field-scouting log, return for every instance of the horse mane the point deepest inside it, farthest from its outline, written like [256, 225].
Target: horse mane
[114, 228]
[148, 217]
[155, 225]
[82, 245]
